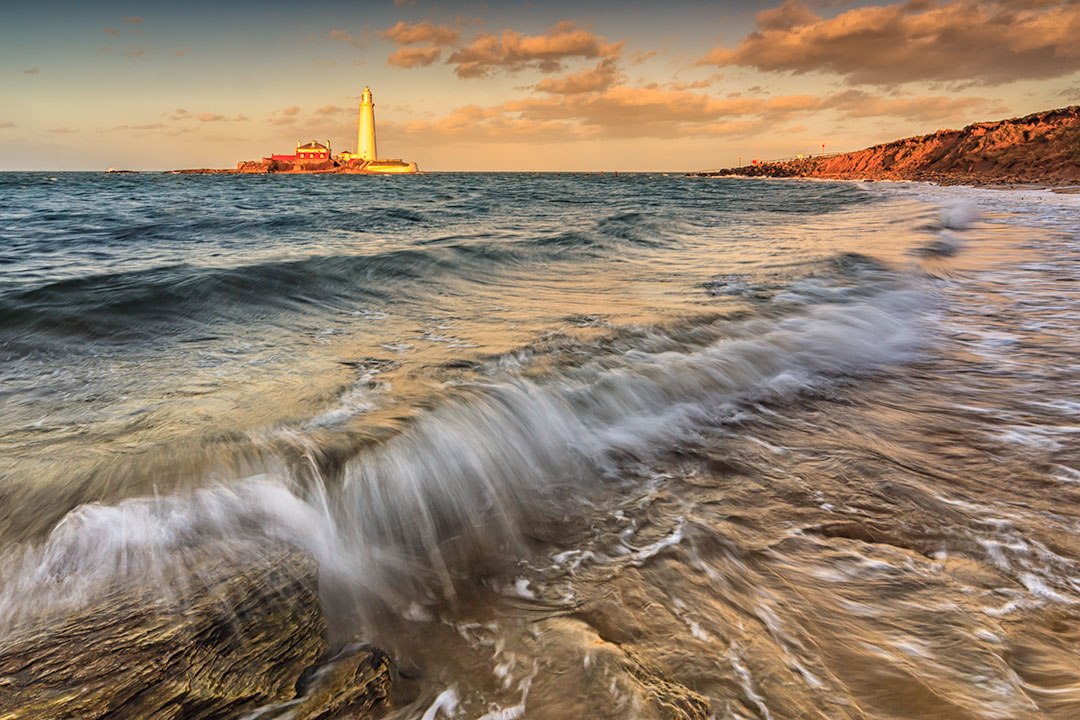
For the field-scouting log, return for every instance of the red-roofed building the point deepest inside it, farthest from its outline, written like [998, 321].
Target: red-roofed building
[311, 151]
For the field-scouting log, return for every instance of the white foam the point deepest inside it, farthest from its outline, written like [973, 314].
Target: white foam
[462, 477]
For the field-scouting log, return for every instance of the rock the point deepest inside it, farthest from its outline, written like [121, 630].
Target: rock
[1042, 147]
[234, 641]
[357, 680]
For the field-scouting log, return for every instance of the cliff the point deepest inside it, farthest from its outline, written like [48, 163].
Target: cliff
[1043, 147]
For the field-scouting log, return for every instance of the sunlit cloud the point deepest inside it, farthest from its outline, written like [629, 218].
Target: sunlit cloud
[423, 32]
[601, 77]
[6, 125]
[181, 53]
[655, 111]
[513, 51]
[210, 117]
[62, 130]
[858, 104]
[140, 128]
[977, 41]
[345, 37]
[412, 57]
[31, 71]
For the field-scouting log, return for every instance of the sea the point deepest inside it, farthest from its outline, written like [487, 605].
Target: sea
[567, 445]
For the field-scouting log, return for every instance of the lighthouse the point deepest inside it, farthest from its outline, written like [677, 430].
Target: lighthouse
[365, 141]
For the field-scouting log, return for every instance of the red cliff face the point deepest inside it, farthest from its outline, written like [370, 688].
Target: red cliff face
[1042, 147]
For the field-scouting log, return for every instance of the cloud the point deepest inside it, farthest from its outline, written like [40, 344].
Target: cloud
[979, 41]
[410, 57]
[141, 128]
[793, 13]
[180, 53]
[513, 51]
[112, 32]
[287, 116]
[133, 20]
[404, 33]
[695, 84]
[601, 77]
[344, 36]
[330, 110]
[32, 71]
[210, 117]
[133, 52]
[655, 111]
[7, 124]
[62, 130]
[938, 108]
[402, 3]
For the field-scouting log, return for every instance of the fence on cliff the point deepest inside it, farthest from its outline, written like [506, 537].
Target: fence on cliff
[774, 161]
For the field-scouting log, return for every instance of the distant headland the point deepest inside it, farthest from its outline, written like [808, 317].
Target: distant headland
[317, 157]
[1042, 148]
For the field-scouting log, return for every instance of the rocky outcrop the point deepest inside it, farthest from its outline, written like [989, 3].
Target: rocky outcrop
[232, 641]
[1040, 148]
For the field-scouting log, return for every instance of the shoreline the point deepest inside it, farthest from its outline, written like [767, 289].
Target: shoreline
[1057, 188]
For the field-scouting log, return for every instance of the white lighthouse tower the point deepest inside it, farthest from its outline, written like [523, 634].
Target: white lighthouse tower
[365, 141]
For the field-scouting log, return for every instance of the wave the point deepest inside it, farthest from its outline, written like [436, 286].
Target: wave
[454, 489]
[145, 303]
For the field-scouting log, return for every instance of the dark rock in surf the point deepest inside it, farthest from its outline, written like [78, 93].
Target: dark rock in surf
[232, 641]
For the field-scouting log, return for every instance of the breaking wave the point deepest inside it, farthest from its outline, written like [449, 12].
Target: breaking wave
[454, 489]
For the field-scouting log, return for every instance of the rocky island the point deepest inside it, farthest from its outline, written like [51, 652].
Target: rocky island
[316, 157]
[1041, 148]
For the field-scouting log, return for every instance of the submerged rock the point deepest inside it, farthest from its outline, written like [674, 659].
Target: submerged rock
[231, 641]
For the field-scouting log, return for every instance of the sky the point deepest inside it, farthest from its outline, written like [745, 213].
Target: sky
[676, 85]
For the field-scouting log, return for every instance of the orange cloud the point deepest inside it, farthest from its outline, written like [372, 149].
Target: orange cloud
[404, 33]
[653, 111]
[291, 110]
[344, 36]
[209, 117]
[410, 57]
[982, 41]
[141, 128]
[601, 77]
[937, 108]
[329, 110]
[514, 51]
